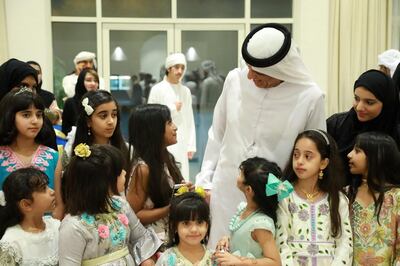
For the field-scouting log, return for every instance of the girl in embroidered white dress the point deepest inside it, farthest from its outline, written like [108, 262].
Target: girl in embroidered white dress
[100, 227]
[313, 225]
[27, 237]
[188, 232]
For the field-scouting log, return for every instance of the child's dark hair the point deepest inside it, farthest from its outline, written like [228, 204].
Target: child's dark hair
[146, 142]
[97, 98]
[87, 182]
[333, 178]
[255, 173]
[13, 102]
[383, 161]
[189, 206]
[17, 186]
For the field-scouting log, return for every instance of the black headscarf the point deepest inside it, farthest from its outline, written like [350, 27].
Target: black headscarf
[80, 88]
[12, 72]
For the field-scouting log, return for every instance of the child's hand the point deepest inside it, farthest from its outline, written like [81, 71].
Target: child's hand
[225, 258]
[223, 244]
[148, 262]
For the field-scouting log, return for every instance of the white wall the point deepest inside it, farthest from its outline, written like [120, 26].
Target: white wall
[311, 32]
[29, 34]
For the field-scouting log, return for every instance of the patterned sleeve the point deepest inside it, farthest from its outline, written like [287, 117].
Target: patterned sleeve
[283, 227]
[396, 213]
[168, 258]
[71, 242]
[344, 243]
[9, 254]
[263, 222]
[143, 242]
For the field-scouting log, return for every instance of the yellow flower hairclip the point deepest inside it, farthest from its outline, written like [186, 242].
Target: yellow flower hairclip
[82, 150]
[184, 189]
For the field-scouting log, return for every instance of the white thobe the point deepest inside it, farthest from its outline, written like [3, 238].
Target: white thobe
[167, 94]
[249, 121]
[69, 83]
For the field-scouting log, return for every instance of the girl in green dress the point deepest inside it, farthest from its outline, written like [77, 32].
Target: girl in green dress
[253, 226]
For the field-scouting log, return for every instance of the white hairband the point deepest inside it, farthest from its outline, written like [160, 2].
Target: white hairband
[323, 134]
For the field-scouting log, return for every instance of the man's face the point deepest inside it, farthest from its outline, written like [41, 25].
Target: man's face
[83, 64]
[175, 73]
[261, 80]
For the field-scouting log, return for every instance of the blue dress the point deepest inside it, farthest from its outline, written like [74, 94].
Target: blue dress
[44, 159]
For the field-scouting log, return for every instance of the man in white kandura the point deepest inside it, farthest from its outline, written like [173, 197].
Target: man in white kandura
[261, 110]
[172, 93]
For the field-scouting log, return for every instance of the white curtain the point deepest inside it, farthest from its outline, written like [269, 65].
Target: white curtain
[359, 31]
[3, 33]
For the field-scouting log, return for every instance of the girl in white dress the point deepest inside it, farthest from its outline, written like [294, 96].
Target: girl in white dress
[27, 236]
[313, 225]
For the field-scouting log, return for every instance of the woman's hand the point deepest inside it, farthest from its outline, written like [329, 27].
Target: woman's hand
[225, 259]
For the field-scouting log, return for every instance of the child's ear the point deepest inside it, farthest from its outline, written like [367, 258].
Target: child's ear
[324, 163]
[25, 205]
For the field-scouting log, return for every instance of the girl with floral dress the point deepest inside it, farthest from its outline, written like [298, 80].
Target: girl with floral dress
[27, 236]
[100, 227]
[375, 199]
[189, 229]
[252, 239]
[154, 171]
[22, 136]
[313, 225]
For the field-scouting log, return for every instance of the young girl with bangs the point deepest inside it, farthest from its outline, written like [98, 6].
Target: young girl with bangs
[313, 225]
[100, 227]
[154, 171]
[27, 236]
[375, 199]
[22, 136]
[188, 232]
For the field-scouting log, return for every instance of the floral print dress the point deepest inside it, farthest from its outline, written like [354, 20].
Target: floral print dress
[303, 233]
[89, 237]
[44, 159]
[377, 243]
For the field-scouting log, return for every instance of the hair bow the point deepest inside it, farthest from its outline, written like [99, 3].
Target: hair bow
[184, 189]
[88, 109]
[82, 150]
[276, 186]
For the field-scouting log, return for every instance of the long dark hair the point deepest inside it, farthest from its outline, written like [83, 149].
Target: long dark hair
[13, 102]
[255, 172]
[187, 207]
[332, 181]
[146, 142]
[383, 161]
[97, 98]
[87, 181]
[19, 185]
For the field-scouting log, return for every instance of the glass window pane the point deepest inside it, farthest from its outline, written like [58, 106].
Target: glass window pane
[288, 26]
[208, 64]
[136, 61]
[210, 8]
[68, 40]
[137, 8]
[271, 8]
[76, 8]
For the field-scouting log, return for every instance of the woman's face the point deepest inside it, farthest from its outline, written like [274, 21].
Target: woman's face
[90, 82]
[366, 105]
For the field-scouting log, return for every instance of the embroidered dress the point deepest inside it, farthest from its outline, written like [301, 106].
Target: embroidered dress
[18, 247]
[103, 239]
[242, 244]
[377, 244]
[303, 233]
[172, 257]
[44, 159]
